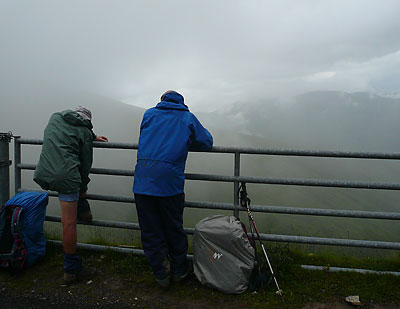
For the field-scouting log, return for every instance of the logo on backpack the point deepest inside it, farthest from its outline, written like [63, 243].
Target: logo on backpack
[215, 255]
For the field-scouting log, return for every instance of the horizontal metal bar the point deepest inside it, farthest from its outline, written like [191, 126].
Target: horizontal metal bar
[260, 180]
[279, 238]
[332, 241]
[345, 269]
[25, 166]
[29, 141]
[102, 223]
[269, 237]
[258, 151]
[283, 238]
[311, 153]
[326, 212]
[115, 172]
[100, 248]
[109, 198]
[98, 171]
[300, 211]
[113, 224]
[257, 208]
[115, 145]
[297, 182]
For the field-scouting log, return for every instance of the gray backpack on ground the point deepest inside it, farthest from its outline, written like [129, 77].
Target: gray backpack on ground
[223, 257]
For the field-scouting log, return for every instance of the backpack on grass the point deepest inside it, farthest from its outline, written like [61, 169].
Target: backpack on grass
[22, 239]
[223, 257]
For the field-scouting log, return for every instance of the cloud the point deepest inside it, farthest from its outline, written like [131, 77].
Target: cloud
[216, 52]
[319, 76]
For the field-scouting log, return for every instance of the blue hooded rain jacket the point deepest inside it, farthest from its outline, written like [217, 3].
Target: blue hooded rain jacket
[167, 133]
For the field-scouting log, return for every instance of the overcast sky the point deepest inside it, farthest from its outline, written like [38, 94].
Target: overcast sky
[213, 52]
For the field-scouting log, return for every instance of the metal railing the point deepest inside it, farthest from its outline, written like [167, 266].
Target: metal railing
[236, 179]
[5, 163]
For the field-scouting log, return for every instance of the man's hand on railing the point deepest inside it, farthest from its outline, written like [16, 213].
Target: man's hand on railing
[101, 138]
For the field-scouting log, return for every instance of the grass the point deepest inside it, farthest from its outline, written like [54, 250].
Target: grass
[300, 286]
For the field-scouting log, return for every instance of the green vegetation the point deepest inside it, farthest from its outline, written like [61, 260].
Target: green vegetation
[130, 275]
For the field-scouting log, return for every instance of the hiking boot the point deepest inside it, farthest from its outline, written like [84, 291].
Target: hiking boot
[180, 278]
[164, 283]
[69, 279]
[84, 275]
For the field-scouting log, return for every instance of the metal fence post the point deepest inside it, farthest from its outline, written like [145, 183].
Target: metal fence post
[236, 185]
[5, 162]
[17, 162]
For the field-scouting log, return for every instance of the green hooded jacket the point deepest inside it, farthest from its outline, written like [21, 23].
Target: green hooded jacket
[67, 153]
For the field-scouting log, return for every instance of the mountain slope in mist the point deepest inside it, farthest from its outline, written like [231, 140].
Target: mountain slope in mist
[320, 120]
[27, 111]
[326, 121]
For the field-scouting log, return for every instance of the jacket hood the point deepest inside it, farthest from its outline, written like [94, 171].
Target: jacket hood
[75, 119]
[172, 100]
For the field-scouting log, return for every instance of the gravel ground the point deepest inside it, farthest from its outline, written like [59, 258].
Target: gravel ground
[130, 284]
[95, 296]
[40, 287]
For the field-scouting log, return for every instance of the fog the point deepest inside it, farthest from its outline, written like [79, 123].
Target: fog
[215, 52]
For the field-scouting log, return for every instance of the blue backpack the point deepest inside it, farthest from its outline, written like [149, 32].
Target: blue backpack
[22, 239]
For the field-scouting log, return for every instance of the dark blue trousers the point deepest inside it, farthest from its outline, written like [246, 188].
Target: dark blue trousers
[164, 241]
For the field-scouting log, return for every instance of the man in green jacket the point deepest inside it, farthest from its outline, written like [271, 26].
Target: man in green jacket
[64, 165]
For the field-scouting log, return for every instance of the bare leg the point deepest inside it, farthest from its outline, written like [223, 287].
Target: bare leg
[68, 220]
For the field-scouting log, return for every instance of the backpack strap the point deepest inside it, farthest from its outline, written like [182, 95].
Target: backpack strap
[19, 243]
[16, 258]
[16, 214]
[2, 220]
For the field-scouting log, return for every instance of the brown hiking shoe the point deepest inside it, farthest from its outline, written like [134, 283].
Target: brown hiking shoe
[164, 283]
[84, 275]
[69, 279]
[180, 278]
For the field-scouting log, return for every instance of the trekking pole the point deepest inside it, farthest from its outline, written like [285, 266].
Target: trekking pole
[245, 202]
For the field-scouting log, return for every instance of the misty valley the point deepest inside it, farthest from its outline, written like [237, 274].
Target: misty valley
[319, 121]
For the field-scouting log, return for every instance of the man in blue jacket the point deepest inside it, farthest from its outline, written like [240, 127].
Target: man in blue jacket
[167, 133]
